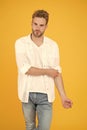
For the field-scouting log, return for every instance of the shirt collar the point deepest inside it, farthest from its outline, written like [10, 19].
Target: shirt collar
[30, 40]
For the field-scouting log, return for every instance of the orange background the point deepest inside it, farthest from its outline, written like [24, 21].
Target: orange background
[68, 26]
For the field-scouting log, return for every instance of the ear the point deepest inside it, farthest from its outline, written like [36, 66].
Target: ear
[31, 22]
[46, 26]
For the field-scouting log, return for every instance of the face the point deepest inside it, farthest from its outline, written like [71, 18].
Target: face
[38, 26]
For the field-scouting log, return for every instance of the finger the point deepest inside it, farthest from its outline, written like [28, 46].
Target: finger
[69, 101]
[67, 105]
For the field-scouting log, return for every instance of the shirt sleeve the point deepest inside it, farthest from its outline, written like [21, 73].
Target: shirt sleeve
[21, 57]
[57, 59]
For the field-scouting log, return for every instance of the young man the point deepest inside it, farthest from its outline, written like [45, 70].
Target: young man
[38, 64]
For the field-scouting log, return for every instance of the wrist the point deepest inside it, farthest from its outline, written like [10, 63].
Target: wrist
[63, 96]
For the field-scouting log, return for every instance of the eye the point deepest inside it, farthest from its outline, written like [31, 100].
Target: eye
[42, 25]
[35, 23]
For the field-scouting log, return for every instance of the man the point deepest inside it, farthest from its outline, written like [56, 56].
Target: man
[37, 59]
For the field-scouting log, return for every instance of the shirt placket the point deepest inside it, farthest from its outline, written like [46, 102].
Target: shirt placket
[45, 66]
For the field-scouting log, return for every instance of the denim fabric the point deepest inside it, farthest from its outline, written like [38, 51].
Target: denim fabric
[38, 103]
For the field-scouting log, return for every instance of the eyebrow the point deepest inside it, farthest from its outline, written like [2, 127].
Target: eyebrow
[40, 24]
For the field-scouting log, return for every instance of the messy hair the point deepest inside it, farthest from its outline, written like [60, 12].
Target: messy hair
[41, 14]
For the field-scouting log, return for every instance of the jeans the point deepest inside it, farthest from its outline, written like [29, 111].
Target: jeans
[38, 102]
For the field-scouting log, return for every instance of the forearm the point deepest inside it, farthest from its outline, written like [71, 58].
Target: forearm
[60, 86]
[41, 71]
[36, 71]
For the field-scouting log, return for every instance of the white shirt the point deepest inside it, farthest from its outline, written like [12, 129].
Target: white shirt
[45, 56]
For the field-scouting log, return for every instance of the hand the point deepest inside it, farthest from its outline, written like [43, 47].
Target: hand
[52, 73]
[67, 103]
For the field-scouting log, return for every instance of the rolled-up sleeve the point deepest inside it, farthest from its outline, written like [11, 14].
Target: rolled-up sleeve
[21, 57]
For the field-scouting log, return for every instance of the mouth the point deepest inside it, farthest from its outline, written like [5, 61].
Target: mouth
[37, 31]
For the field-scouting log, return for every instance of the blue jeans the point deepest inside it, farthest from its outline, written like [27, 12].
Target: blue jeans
[38, 102]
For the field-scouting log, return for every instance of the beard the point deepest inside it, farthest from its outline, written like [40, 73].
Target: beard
[37, 33]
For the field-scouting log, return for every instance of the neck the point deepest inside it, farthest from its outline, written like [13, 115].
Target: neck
[37, 40]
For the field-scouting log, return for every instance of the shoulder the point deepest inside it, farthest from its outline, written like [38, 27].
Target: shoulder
[51, 42]
[21, 40]
[20, 44]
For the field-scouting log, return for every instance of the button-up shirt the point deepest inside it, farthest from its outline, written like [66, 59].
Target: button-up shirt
[28, 55]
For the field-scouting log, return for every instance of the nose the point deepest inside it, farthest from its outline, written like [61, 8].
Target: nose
[37, 27]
